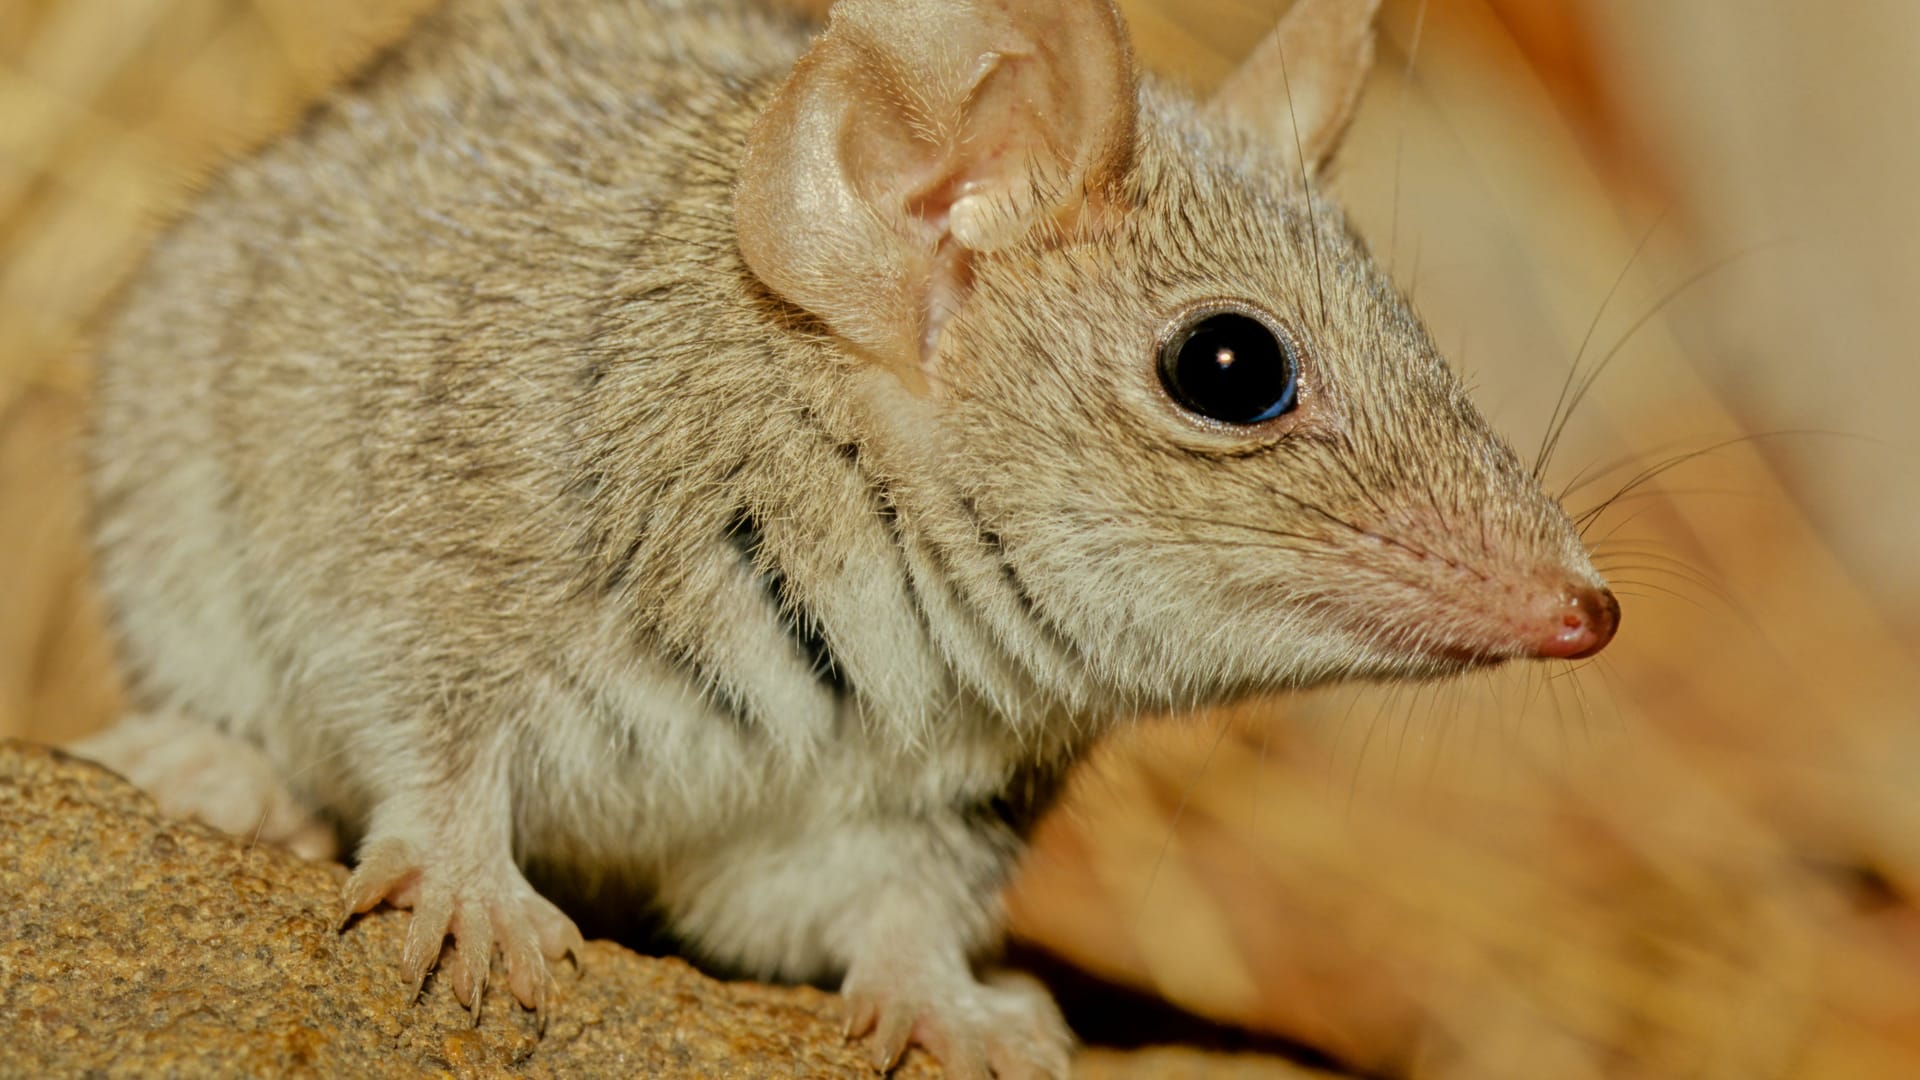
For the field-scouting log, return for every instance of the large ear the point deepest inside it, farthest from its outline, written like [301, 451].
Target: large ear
[1298, 88]
[915, 133]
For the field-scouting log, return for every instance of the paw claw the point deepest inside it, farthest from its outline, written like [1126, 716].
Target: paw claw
[483, 909]
[567, 943]
[472, 955]
[426, 933]
[861, 1014]
[892, 1033]
[527, 973]
[1010, 1029]
[962, 1053]
[458, 975]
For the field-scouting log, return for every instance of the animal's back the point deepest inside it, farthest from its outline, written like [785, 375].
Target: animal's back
[372, 346]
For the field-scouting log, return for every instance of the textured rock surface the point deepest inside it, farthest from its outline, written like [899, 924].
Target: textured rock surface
[133, 945]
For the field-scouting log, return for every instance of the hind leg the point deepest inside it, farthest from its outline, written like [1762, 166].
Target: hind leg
[906, 907]
[193, 770]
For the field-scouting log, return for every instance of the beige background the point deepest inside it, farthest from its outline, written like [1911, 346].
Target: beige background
[1694, 856]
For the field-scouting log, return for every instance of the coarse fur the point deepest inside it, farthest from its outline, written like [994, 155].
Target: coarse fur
[451, 454]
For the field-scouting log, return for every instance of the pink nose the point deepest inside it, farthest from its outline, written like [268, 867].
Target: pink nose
[1577, 624]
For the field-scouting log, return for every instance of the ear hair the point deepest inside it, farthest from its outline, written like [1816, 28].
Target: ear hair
[915, 133]
[1299, 87]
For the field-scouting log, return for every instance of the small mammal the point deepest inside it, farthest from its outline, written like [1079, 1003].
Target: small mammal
[652, 447]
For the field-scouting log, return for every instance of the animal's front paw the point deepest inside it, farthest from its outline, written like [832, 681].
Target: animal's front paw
[481, 904]
[1007, 1028]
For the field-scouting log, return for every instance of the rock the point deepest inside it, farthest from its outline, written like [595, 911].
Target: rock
[134, 945]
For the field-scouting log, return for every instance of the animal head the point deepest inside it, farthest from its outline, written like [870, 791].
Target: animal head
[1214, 445]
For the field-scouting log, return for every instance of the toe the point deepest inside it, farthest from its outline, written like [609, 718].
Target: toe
[527, 973]
[1009, 1029]
[1012, 1062]
[890, 1037]
[861, 1013]
[426, 932]
[457, 973]
[962, 1054]
[483, 906]
[556, 934]
[384, 870]
[473, 954]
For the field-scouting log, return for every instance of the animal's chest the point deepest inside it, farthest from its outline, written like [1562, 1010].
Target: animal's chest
[632, 767]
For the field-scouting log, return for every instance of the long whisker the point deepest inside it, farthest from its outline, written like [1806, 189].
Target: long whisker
[1647, 550]
[1360, 762]
[1173, 822]
[1345, 461]
[1327, 514]
[1673, 593]
[1406, 730]
[1584, 520]
[1694, 578]
[1672, 568]
[1264, 530]
[1586, 384]
[1673, 494]
[1618, 526]
[1554, 420]
[1413, 276]
[1304, 552]
[1572, 669]
[1591, 475]
[1400, 139]
[1306, 183]
[1444, 732]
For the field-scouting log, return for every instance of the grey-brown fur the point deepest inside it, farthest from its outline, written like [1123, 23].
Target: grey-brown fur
[427, 441]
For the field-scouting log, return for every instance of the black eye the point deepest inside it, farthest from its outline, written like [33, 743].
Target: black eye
[1229, 367]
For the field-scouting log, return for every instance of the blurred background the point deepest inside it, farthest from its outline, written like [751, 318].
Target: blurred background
[1696, 855]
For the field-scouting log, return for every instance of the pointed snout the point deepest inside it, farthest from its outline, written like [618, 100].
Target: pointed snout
[1576, 623]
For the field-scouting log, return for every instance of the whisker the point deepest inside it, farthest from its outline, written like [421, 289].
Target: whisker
[1586, 384]
[1555, 422]
[1303, 552]
[1572, 669]
[1400, 139]
[1619, 525]
[1339, 729]
[1330, 515]
[1580, 702]
[1413, 276]
[1266, 744]
[1583, 478]
[1306, 183]
[1652, 472]
[1670, 493]
[1406, 728]
[1173, 822]
[1663, 590]
[1444, 732]
[1264, 530]
[1662, 560]
[1353, 787]
[1715, 590]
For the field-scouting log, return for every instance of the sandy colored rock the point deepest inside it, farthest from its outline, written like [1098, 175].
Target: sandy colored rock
[134, 945]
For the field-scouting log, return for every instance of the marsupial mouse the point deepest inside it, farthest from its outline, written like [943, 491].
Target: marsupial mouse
[734, 472]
